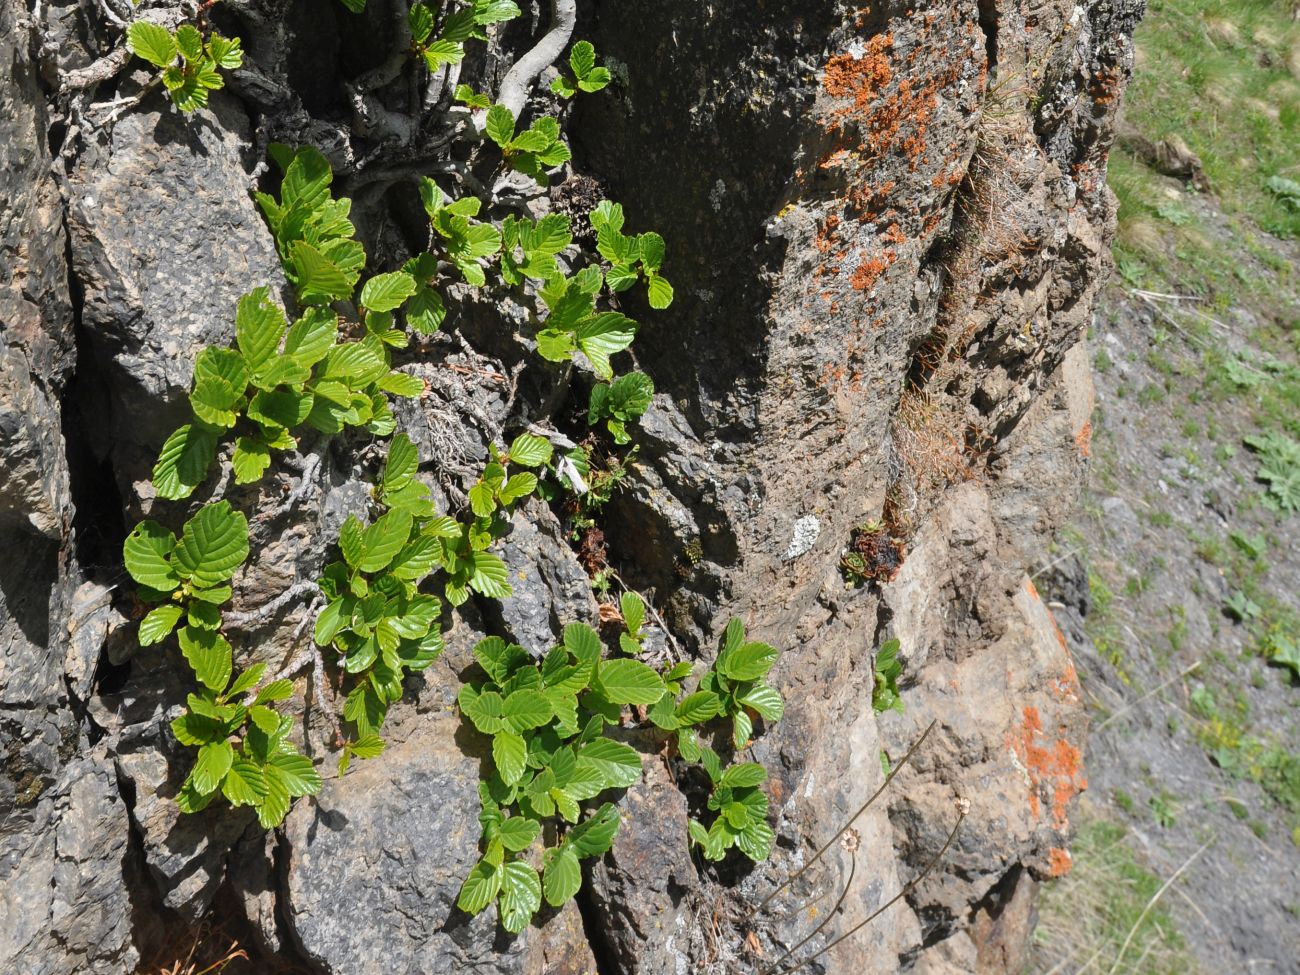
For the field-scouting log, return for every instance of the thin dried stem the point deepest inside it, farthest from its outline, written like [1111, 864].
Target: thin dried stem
[852, 819]
[961, 816]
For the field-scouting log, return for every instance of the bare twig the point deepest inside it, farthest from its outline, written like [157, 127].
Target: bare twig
[830, 915]
[963, 807]
[519, 79]
[852, 819]
[255, 617]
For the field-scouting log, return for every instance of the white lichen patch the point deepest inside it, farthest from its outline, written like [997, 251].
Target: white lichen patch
[806, 532]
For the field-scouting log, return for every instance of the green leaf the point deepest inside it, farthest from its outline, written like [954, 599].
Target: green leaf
[598, 79]
[595, 836]
[494, 11]
[311, 337]
[480, 888]
[660, 292]
[484, 709]
[750, 661]
[442, 52]
[197, 729]
[319, 279]
[488, 576]
[275, 804]
[633, 609]
[602, 337]
[265, 719]
[245, 783]
[530, 451]
[386, 292]
[146, 552]
[698, 708]
[246, 680]
[625, 681]
[526, 709]
[159, 623]
[555, 345]
[355, 363]
[296, 773]
[582, 58]
[562, 876]
[765, 700]
[402, 384]
[259, 327]
[227, 52]
[564, 86]
[500, 125]
[510, 755]
[519, 486]
[307, 180]
[210, 768]
[518, 833]
[209, 655]
[250, 460]
[756, 840]
[384, 539]
[742, 729]
[183, 461]
[521, 895]
[743, 776]
[402, 463]
[618, 763]
[425, 311]
[282, 408]
[213, 544]
[420, 20]
[153, 43]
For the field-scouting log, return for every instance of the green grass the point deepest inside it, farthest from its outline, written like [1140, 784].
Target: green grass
[1086, 917]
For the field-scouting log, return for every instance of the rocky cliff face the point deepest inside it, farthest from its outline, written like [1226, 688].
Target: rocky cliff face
[887, 228]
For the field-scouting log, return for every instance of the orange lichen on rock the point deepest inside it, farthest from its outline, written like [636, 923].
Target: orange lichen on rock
[1083, 439]
[1059, 861]
[860, 79]
[1054, 768]
[870, 270]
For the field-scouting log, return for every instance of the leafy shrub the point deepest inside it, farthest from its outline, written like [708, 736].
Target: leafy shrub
[189, 63]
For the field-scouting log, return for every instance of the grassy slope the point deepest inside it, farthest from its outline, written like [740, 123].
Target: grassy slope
[1200, 374]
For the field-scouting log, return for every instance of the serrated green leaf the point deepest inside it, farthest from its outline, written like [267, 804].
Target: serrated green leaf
[401, 464]
[598, 78]
[488, 575]
[319, 280]
[213, 544]
[618, 763]
[756, 840]
[698, 708]
[159, 623]
[227, 52]
[749, 661]
[146, 553]
[480, 888]
[526, 709]
[386, 292]
[603, 336]
[521, 896]
[259, 327]
[296, 772]
[562, 876]
[211, 765]
[209, 656]
[582, 58]
[307, 180]
[742, 729]
[183, 461]
[744, 775]
[595, 835]
[660, 291]
[530, 450]
[633, 610]
[483, 709]
[626, 681]
[384, 539]
[311, 336]
[250, 460]
[197, 729]
[245, 784]
[510, 755]
[153, 43]
[420, 20]
[246, 680]
[500, 125]
[766, 701]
